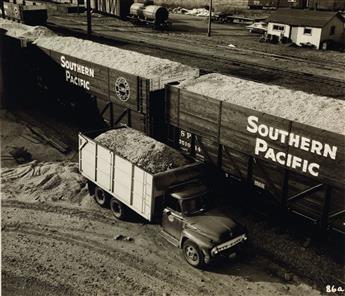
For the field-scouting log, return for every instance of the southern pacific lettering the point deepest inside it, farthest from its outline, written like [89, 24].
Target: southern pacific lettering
[293, 140]
[73, 66]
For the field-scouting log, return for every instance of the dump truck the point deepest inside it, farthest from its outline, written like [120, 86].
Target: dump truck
[177, 197]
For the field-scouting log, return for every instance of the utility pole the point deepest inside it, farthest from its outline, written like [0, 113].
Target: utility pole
[209, 19]
[2, 8]
[88, 16]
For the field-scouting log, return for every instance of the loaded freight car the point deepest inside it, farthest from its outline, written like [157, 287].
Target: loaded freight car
[129, 86]
[274, 4]
[267, 4]
[27, 14]
[130, 170]
[119, 8]
[287, 143]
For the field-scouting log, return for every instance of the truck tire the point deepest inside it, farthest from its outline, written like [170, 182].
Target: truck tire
[118, 209]
[193, 254]
[101, 197]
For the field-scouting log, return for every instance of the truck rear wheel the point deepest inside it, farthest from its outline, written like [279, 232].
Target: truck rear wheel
[193, 254]
[101, 197]
[118, 209]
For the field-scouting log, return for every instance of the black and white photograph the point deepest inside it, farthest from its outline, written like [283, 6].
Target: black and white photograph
[172, 147]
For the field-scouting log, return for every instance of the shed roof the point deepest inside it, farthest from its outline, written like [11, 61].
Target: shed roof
[303, 18]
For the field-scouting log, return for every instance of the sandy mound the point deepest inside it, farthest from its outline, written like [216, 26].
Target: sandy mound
[322, 112]
[124, 60]
[43, 181]
[28, 33]
[148, 154]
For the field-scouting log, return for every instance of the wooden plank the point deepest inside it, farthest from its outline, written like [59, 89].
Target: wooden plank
[193, 115]
[235, 124]
[97, 78]
[268, 176]
[57, 72]
[172, 105]
[124, 89]
[311, 205]
[133, 119]
[235, 163]
[206, 150]
[322, 151]
[101, 105]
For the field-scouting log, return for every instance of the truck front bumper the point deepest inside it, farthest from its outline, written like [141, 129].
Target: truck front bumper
[228, 245]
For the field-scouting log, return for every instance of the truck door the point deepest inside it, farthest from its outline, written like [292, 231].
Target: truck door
[172, 222]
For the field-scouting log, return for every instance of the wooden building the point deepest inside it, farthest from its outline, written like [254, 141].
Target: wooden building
[306, 27]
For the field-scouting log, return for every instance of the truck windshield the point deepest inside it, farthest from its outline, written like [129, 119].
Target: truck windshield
[194, 205]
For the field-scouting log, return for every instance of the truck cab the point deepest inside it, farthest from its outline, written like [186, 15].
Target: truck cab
[202, 232]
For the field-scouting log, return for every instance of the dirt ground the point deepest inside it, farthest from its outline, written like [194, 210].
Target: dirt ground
[68, 247]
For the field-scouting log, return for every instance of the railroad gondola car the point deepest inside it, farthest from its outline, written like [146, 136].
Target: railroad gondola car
[26, 14]
[274, 4]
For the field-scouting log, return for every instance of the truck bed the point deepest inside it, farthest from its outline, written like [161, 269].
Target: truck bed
[128, 183]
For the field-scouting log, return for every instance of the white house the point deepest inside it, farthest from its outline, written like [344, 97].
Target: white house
[308, 27]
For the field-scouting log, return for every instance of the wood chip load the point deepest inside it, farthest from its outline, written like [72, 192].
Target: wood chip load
[285, 128]
[318, 111]
[28, 33]
[147, 153]
[159, 71]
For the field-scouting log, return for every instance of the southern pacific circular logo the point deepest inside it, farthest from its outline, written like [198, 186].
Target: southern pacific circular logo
[16, 11]
[122, 89]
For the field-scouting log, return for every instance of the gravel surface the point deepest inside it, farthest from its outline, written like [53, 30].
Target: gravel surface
[147, 153]
[318, 111]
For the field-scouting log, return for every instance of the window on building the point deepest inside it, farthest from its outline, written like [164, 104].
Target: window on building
[332, 31]
[307, 31]
[278, 28]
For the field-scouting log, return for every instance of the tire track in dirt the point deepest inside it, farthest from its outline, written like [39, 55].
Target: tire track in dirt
[75, 248]
[129, 263]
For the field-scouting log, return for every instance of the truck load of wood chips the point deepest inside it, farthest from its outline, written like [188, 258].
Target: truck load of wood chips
[318, 111]
[148, 154]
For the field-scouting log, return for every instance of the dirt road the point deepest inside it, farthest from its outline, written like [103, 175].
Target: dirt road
[72, 250]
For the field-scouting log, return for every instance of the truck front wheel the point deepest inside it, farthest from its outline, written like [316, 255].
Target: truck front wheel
[193, 254]
[118, 209]
[101, 197]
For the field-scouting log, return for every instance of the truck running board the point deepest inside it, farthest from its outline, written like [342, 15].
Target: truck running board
[170, 238]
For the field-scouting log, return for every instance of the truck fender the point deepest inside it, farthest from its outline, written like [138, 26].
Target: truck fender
[203, 242]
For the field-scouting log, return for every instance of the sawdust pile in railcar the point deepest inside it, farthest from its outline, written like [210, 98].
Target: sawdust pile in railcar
[318, 111]
[123, 60]
[147, 153]
[25, 32]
